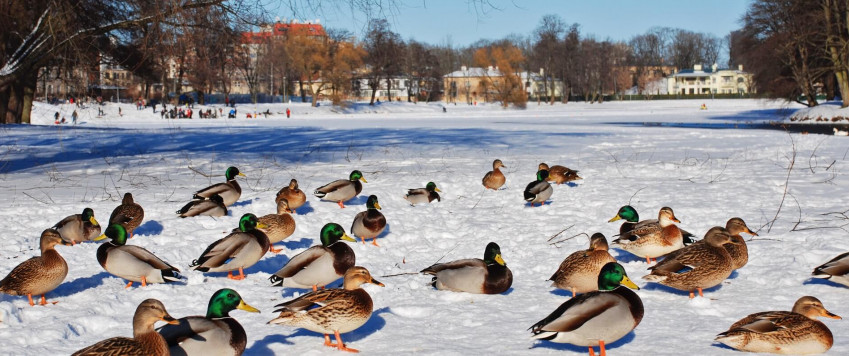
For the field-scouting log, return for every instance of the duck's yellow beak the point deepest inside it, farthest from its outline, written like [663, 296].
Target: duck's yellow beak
[347, 238]
[260, 225]
[168, 319]
[614, 218]
[629, 283]
[244, 306]
[242, 174]
[93, 221]
[437, 190]
[101, 237]
[363, 179]
[499, 260]
[377, 205]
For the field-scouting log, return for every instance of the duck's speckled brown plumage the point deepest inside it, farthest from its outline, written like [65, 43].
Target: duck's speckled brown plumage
[278, 226]
[293, 195]
[559, 174]
[697, 266]
[653, 238]
[145, 342]
[494, 179]
[738, 251]
[129, 214]
[38, 275]
[783, 332]
[579, 271]
[75, 228]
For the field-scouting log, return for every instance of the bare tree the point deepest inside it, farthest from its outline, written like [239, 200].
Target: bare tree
[384, 55]
[548, 51]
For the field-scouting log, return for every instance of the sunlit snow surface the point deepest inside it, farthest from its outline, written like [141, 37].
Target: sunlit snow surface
[649, 153]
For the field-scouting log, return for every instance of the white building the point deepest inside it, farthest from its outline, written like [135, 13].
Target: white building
[699, 81]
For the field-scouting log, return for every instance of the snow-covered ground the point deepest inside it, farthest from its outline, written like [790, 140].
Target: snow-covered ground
[647, 153]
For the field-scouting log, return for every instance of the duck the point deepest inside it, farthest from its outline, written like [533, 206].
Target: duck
[632, 218]
[133, 263]
[129, 213]
[423, 195]
[213, 206]
[319, 265]
[737, 250]
[294, 195]
[489, 275]
[578, 273]
[598, 317]
[230, 190]
[835, 270]
[369, 223]
[78, 227]
[539, 190]
[240, 249]
[559, 174]
[145, 341]
[342, 190]
[278, 226]
[41, 274]
[494, 179]
[795, 332]
[697, 266]
[653, 238]
[331, 311]
[216, 333]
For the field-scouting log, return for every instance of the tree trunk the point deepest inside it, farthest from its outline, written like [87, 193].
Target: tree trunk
[200, 92]
[15, 103]
[29, 93]
[374, 90]
[4, 103]
[301, 88]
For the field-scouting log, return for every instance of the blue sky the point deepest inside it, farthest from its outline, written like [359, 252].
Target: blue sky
[437, 21]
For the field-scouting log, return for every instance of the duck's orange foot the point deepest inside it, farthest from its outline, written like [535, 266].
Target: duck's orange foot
[341, 345]
[374, 242]
[31, 303]
[240, 277]
[275, 250]
[341, 206]
[129, 284]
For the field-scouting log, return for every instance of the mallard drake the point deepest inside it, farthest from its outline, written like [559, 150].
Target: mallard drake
[217, 333]
[133, 263]
[795, 332]
[697, 266]
[38, 275]
[597, 317]
[331, 311]
[579, 271]
[240, 249]
[78, 227]
[278, 226]
[487, 276]
[230, 190]
[835, 270]
[294, 195]
[145, 342]
[539, 190]
[369, 223]
[652, 238]
[494, 179]
[214, 206]
[129, 213]
[559, 174]
[423, 195]
[632, 219]
[342, 190]
[320, 264]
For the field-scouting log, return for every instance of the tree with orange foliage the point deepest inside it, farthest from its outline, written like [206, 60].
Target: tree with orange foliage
[503, 83]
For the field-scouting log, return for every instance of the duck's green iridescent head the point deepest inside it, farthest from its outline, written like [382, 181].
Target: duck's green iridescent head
[332, 232]
[232, 172]
[357, 175]
[224, 301]
[88, 215]
[626, 212]
[249, 222]
[431, 187]
[492, 254]
[116, 232]
[613, 275]
[542, 174]
[372, 203]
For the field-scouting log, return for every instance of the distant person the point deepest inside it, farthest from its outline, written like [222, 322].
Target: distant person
[74, 117]
[288, 113]
[56, 117]
[120, 113]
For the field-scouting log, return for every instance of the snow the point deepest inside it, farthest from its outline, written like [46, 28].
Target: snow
[647, 153]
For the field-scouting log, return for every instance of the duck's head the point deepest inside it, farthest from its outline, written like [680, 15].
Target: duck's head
[232, 172]
[431, 187]
[49, 239]
[293, 184]
[116, 232]
[283, 207]
[88, 215]
[628, 213]
[718, 236]
[598, 242]
[224, 301]
[497, 163]
[542, 174]
[149, 312]
[250, 222]
[543, 166]
[372, 203]
[357, 175]
[735, 226]
[613, 275]
[333, 232]
[128, 199]
[357, 276]
[492, 254]
[812, 307]
[666, 216]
